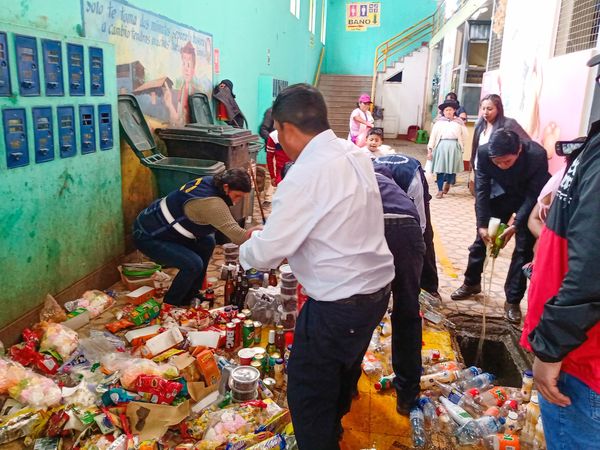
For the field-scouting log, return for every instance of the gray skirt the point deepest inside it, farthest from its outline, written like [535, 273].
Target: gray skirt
[447, 157]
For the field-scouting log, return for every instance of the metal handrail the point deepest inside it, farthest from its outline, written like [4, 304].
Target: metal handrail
[318, 73]
[401, 41]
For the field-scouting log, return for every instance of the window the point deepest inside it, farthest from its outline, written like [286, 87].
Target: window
[323, 21]
[497, 35]
[312, 16]
[577, 26]
[295, 7]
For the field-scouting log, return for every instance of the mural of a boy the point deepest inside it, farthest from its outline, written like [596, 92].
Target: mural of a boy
[176, 100]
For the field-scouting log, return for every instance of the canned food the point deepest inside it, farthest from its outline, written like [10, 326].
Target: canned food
[229, 336]
[247, 333]
[257, 331]
[269, 383]
[242, 317]
[257, 365]
[247, 312]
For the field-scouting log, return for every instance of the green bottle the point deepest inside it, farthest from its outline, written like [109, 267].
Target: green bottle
[498, 242]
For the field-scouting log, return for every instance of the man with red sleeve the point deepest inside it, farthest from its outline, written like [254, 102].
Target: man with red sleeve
[562, 324]
[276, 158]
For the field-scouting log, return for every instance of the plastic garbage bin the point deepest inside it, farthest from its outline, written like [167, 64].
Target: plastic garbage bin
[171, 172]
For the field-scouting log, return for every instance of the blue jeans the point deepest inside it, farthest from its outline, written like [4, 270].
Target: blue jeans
[190, 257]
[576, 426]
[449, 178]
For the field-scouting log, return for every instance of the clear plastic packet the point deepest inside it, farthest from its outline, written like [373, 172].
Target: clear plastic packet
[52, 311]
[58, 338]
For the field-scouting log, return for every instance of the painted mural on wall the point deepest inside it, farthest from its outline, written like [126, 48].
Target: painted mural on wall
[160, 61]
[362, 15]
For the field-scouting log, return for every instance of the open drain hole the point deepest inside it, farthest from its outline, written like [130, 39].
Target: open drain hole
[501, 356]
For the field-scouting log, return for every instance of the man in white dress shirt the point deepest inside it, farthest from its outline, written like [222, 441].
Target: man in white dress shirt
[327, 220]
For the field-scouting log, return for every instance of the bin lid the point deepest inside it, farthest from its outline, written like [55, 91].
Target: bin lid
[200, 110]
[134, 125]
[217, 134]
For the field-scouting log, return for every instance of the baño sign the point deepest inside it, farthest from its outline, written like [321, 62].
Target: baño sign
[361, 15]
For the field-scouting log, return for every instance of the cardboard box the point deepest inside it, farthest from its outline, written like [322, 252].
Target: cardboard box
[208, 338]
[162, 342]
[77, 319]
[208, 367]
[141, 335]
[140, 295]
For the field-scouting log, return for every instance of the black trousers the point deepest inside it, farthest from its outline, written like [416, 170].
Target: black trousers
[429, 275]
[330, 341]
[405, 241]
[516, 282]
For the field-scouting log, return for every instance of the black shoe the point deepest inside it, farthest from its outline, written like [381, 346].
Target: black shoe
[403, 407]
[465, 291]
[512, 312]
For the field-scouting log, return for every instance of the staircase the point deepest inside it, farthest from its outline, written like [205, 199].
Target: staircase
[341, 94]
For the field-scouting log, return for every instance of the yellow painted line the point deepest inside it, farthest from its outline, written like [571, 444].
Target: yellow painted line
[442, 256]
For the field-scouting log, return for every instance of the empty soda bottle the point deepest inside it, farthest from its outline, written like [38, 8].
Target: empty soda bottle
[446, 423]
[476, 429]
[495, 396]
[501, 442]
[429, 413]
[468, 373]
[458, 398]
[481, 382]
[384, 382]
[417, 422]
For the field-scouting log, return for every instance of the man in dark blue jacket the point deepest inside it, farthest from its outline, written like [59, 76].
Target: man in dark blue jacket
[511, 173]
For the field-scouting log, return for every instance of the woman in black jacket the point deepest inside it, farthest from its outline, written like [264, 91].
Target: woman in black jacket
[492, 118]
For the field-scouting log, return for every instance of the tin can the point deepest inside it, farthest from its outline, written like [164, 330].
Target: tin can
[230, 336]
[242, 317]
[273, 358]
[227, 312]
[234, 311]
[257, 365]
[247, 333]
[257, 331]
[238, 331]
[247, 312]
[269, 383]
[261, 359]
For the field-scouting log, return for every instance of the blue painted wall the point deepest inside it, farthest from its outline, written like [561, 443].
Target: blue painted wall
[64, 219]
[352, 52]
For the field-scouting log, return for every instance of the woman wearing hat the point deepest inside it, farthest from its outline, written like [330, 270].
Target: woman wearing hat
[446, 145]
[361, 121]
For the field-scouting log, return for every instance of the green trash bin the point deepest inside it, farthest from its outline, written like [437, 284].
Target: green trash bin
[171, 172]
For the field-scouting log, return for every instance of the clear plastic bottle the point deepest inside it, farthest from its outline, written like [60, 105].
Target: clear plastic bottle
[492, 397]
[481, 381]
[458, 398]
[429, 413]
[476, 429]
[468, 373]
[439, 367]
[459, 415]
[417, 422]
[445, 376]
[527, 385]
[539, 441]
[513, 424]
[446, 423]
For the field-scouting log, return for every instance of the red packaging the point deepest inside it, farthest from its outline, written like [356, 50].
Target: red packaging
[56, 423]
[155, 389]
[221, 330]
[208, 367]
[46, 363]
[238, 331]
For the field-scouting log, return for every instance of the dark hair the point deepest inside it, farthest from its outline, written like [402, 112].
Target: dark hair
[376, 132]
[503, 142]
[452, 96]
[497, 101]
[303, 106]
[237, 179]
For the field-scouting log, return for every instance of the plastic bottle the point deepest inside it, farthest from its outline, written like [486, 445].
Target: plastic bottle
[209, 295]
[229, 288]
[480, 382]
[417, 422]
[458, 398]
[429, 381]
[508, 406]
[468, 373]
[512, 423]
[271, 343]
[501, 442]
[492, 397]
[527, 385]
[384, 382]
[446, 423]
[439, 367]
[498, 242]
[429, 413]
[459, 415]
[532, 414]
[476, 429]
[539, 441]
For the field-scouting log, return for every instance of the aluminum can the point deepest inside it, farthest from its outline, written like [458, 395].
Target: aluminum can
[257, 332]
[248, 333]
[230, 336]
[238, 331]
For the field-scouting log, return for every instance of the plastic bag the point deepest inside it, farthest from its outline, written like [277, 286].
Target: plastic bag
[52, 311]
[371, 365]
[429, 170]
[28, 387]
[96, 302]
[58, 338]
[130, 368]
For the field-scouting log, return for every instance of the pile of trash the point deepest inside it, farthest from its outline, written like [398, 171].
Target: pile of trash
[147, 376]
[459, 407]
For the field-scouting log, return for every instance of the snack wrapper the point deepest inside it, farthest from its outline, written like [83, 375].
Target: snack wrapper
[96, 302]
[131, 368]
